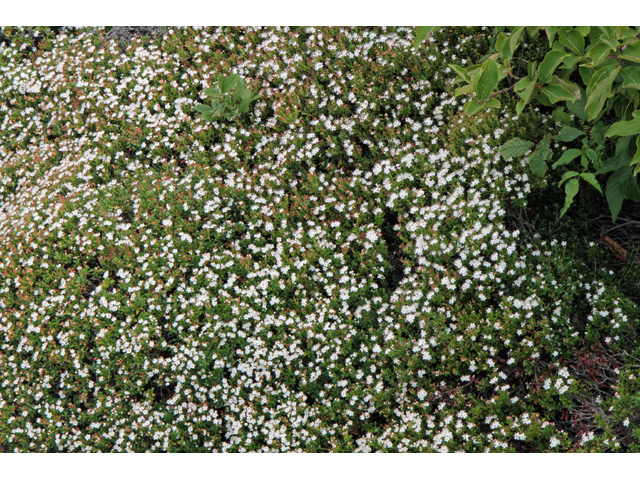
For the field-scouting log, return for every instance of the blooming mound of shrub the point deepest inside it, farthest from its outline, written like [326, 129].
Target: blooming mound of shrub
[336, 271]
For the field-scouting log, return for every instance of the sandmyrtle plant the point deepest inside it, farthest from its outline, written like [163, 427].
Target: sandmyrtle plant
[349, 277]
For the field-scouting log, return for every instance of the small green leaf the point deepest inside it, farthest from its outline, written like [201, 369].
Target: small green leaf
[203, 108]
[461, 72]
[630, 77]
[600, 93]
[567, 134]
[487, 80]
[421, 34]
[631, 53]
[591, 179]
[570, 189]
[573, 40]
[598, 52]
[504, 47]
[624, 128]
[474, 106]
[551, 61]
[566, 176]
[539, 158]
[558, 93]
[567, 157]
[636, 157]
[551, 33]
[617, 186]
[516, 147]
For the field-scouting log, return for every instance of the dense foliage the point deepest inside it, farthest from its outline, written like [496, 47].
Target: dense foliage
[594, 73]
[339, 268]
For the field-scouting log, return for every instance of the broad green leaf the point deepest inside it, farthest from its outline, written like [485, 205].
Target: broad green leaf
[586, 73]
[211, 92]
[493, 103]
[516, 147]
[573, 40]
[532, 71]
[598, 52]
[539, 158]
[487, 80]
[524, 88]
[567, 157]
[474, 106]
[504, 46]
[571, 190]
[584, 30]
[203, 108]
[551, 61]
[551, 33]
[636, 157]
[572, 88]
[631, 52]
[557, 93]
[230, 82]
[514, 40]
[421, 34]
[532, 31]
[618, 186]
[570, 61]
[568, 134]
[464, 90]
[461, 72]
[566, 176]
[578, 108]
[600, 93]
[630, 77]
[624, 128]
[591, 179]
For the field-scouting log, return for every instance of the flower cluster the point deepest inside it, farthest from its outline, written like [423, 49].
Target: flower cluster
[334, 272]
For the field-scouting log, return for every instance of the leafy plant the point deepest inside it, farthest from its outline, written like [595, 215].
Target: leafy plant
[593, 74]
[229, 98]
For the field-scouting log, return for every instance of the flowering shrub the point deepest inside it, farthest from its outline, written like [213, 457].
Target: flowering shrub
[341, 272]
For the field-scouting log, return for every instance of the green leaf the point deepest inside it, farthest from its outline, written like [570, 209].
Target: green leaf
[573, 40]
[514, 40]
[421, 34]
[600, 93]
[630, 77]
[539, 158]
[591, 179]
[203, 108]
[464, 90]
[504, 46]
[598, 52]
[636, 157]
[571, 190]
[524, 88]
[578, 108]
[631, 53]
[551, 61]
[516, 147]
[567, 134]
[566, 176]
[558, 93]
[551, 33]
[487, 80]
[461, 72]
[567, 157]
[618, 186]
[230, 82]
[211, 92]
[624, 128]
[474, 106]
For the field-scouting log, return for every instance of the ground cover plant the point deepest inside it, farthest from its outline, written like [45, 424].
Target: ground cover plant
[347, 264]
